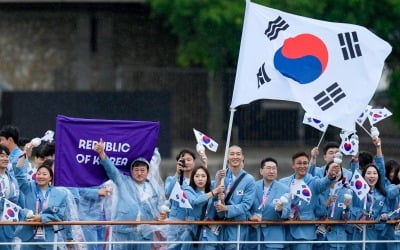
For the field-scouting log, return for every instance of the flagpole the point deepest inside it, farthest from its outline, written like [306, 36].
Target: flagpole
[228, 139]
[320, 140]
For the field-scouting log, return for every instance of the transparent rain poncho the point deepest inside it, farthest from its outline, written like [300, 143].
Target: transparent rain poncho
[148, 196]
[71, 231]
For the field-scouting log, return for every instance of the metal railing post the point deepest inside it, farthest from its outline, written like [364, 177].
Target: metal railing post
[110, 233]
[238, 238]
[364, 236]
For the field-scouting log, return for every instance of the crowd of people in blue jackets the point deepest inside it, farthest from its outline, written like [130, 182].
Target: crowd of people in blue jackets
[311, 193]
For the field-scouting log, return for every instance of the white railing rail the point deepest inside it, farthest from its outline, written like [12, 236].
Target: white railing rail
[110, 242]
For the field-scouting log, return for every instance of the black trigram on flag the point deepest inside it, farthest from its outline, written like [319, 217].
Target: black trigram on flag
[274, 27]
[329, 96]
[262, 76]
[350, 45]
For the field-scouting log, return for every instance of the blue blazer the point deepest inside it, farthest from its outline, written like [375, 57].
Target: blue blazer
[307, 210]
[201, 204]
[337, 232]
[56, 200]
[239, 205]
[241, 200]
[271, 232]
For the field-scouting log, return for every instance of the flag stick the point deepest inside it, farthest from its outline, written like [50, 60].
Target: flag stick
[320, 140]
[228, 139]
[365, 129]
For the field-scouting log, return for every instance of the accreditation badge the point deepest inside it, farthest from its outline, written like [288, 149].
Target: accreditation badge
[39, 233]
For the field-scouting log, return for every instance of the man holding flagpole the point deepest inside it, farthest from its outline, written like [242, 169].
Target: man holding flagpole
[237, 198]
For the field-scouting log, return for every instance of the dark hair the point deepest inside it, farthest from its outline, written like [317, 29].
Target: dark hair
[23, 141]
[298, 154]
[208, 183]
[5, 149]
[365, 158]
[48, 164]
[185, 151]
[45, 149]
[10, 131]
[330, 144]
[378, 184]
[268, 159]
[327, 168]
[392, 165]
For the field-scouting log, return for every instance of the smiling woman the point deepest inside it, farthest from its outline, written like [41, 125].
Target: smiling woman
[45, 203]
[202, 193]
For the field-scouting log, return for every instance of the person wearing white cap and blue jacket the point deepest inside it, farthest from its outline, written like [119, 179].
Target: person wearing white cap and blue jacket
[136, 199]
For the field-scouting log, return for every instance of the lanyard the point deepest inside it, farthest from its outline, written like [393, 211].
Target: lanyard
[39, 208]
[266, 193]
[372, 203]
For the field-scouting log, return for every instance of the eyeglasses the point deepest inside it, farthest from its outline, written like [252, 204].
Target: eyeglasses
[270, 168]
[299, 163]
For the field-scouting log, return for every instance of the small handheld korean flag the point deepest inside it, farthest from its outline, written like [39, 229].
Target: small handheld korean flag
[31, 173]
[315, 123]
[10, 211]
[349, 145]
[359, 185]
[377, 115]
[205, 140]
[301, 190]
[178, 195]
[364, 115]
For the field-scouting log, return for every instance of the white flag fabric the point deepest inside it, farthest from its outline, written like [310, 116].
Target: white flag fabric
[364, 115]
[10, 211]
[315, 123]
[359, 185]
[377, 115]
[205, 140]
[178, 195]
[301, 190]
[331, 69]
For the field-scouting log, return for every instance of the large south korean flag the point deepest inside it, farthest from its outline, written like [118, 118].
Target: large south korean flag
[331, 69]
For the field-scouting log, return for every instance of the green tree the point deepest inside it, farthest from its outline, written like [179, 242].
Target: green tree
[209, 31]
